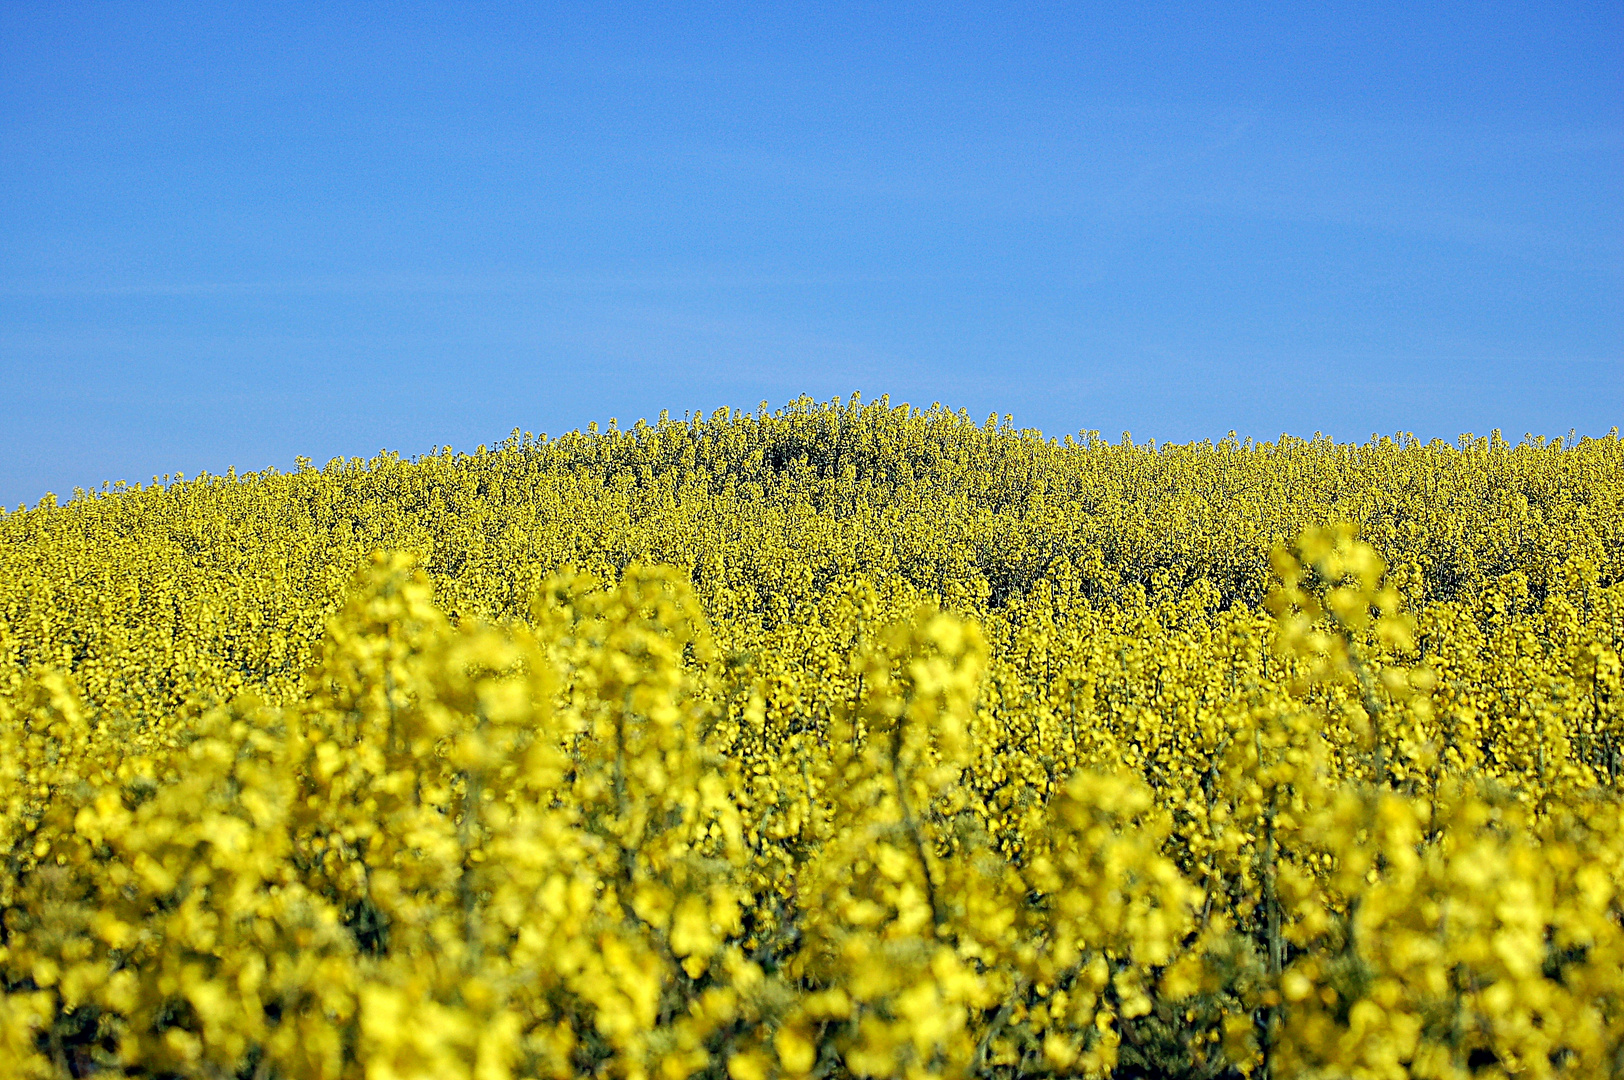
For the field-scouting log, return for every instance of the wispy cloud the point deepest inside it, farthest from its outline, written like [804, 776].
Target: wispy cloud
[493, 284]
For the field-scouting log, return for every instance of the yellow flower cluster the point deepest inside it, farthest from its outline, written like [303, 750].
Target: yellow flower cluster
[841, 741]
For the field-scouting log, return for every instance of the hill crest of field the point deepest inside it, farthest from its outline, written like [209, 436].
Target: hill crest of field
[764, 511]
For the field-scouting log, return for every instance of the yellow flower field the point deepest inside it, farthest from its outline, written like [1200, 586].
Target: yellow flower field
[846, 740]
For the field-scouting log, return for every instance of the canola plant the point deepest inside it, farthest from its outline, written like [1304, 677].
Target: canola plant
[843, 741]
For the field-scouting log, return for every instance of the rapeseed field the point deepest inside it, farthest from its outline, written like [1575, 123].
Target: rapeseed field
[843, 740]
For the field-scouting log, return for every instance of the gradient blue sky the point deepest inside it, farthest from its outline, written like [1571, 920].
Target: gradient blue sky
[233, 234]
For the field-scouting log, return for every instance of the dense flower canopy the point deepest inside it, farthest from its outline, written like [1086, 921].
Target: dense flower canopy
[847, 740]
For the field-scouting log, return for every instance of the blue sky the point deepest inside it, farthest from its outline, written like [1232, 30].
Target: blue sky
[234, 234]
